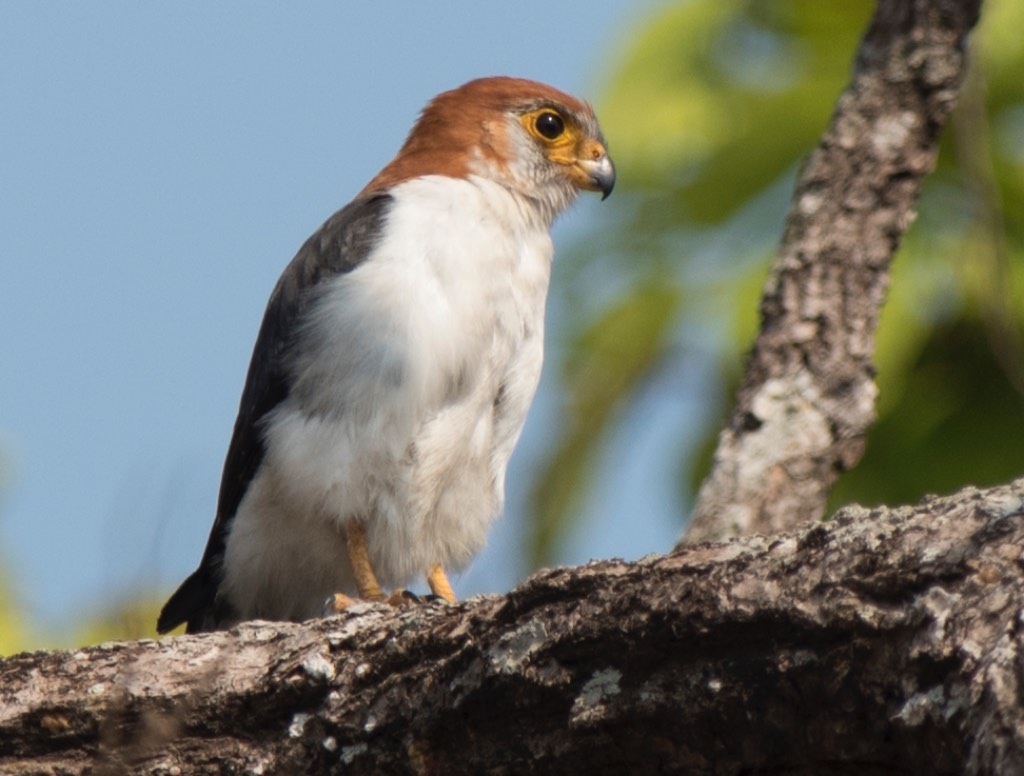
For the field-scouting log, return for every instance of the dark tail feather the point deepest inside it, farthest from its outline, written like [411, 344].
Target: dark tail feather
[192, 603]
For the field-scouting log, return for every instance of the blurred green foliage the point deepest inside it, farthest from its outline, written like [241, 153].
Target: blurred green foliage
[709, 113]
[12, 623]
[128, 619]
[119, 621]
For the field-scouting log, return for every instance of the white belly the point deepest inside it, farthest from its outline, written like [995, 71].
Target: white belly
[409, 393]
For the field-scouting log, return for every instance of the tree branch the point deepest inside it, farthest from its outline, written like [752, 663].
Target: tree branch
[887, 641]
[808, 396]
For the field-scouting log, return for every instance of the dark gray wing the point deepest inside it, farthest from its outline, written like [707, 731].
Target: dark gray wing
[339, 246]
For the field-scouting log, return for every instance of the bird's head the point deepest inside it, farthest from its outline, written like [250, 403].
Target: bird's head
[541, 143]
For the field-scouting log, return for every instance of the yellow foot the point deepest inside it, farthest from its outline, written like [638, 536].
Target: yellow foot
[403, 598]
[339, 602]
[369, 588]
[439, 584]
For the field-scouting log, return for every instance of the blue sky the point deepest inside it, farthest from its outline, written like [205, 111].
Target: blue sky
[159, 166]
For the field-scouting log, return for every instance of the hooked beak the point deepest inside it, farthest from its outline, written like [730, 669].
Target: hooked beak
[600, 174]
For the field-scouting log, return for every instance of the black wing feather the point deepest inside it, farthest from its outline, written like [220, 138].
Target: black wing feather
[340, 245]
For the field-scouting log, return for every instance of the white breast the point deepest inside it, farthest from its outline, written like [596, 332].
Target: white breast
[412, 382]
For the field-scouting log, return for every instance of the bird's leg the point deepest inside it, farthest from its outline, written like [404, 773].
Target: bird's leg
[439, 584]
[359, 557]
[366, 581]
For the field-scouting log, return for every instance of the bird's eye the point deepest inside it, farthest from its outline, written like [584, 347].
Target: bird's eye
[549, 125]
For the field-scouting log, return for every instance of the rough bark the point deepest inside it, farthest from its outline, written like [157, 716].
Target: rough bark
[808, 395]
[886, 641]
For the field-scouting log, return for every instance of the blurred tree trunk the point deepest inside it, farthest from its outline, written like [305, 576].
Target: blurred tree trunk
[808, 394]
[886, 641]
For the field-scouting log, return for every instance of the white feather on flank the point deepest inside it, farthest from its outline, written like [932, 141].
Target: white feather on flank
[392, 417]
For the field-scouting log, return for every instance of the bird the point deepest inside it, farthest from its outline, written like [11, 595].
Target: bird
[394, 366]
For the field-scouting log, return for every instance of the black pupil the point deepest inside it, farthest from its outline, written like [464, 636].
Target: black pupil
[550, 125]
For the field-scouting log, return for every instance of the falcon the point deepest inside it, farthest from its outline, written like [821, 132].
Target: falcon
[398, 356]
